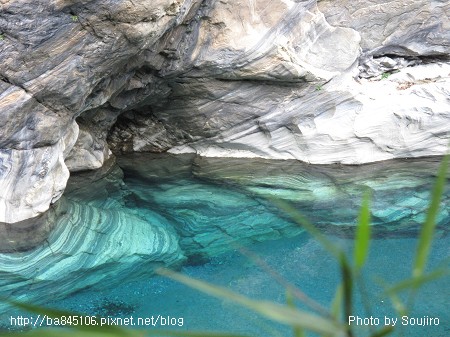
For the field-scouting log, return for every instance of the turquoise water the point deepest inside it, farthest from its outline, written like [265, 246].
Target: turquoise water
[302, 262]
[215, 207]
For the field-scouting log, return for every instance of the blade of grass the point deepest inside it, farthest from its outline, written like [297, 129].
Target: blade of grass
[314, 305]
[298, 332]
[427, 231]
[295, 215]
[347, 281]
[398, 305]
[268, 309]
[383, 332]
[336, 305]
[362, 239]
[339, 254]
[337, 302]
[417, 281]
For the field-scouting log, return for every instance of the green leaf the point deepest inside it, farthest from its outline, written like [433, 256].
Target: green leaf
[309, 227]
[398, 305]
[347, 282]
[298, 331]
[337, 302]
[416, 282]
[336, 305]
[383, 332]
[362, 239]
[315, 306]
[276, 312]
[427, 231]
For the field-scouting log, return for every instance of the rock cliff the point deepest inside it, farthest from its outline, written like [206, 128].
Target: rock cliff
[319, 81]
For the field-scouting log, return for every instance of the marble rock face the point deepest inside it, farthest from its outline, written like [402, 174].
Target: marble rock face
[408, 28]
[343, 122]
[89, 247]
[88, 153]
[292, 80]
[32, 178]
[322, 82]
[59, 59]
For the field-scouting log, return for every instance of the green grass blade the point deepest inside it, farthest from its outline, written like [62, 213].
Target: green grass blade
[383, 332]
[416, 282]
[295, 215]
[337, 302]
[362, 239]
[427, 231]
[314, 305]
[398, 304]
[336, 305]
[347, 282]
[298, 332]
[273, 311]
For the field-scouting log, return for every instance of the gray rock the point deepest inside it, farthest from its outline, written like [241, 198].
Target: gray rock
[274, 79]
[59, 59]
[88, 153]
[416, 28]
[255, 91]
[32, 179]
[30, 233]
[137, 132]
[383, 66]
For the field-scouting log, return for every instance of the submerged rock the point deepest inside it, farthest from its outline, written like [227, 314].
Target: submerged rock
[216, 204]
[89, 247]
[31, 233]
[118, 224]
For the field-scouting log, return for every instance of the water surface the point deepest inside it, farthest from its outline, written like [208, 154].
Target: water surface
[213, 207]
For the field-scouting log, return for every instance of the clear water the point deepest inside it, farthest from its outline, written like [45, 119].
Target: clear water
[302, 262]
[218, 206]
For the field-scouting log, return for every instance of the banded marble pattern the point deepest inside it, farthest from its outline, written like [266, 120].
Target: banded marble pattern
[89, 247]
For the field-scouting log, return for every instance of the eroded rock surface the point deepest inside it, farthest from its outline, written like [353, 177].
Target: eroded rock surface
[60, 59]
[32, 178]
[307, 80]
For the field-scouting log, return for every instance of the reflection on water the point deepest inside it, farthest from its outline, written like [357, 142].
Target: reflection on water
[197, 212]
